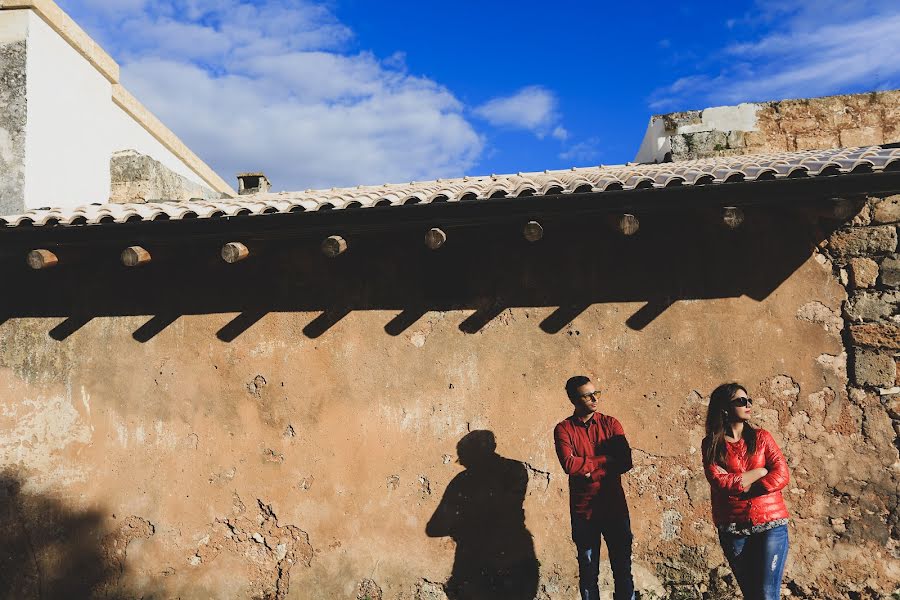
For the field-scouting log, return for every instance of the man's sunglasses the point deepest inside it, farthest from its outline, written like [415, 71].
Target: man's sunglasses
[595, 395]
[743, 401]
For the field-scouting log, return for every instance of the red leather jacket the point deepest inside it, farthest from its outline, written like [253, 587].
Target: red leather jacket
[763, 502]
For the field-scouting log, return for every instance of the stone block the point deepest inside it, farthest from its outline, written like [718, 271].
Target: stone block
[890, 271]
[893, 408]
[886, 210]
[862, 136]
[816, 141]
[872, 306]
[735, 139]
[861, 241]
[803, 125]
[863, 218]
[872, 369]
[767, 141]
[892, 132]
[876, 335]
[863, 272]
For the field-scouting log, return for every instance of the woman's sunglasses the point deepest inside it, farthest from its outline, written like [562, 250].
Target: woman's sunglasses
[743, 401]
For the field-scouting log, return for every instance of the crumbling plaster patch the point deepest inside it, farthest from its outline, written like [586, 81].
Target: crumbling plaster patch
[37, 429]
[271, 548]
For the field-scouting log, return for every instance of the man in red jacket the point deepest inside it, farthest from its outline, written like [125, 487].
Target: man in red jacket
[593, 451]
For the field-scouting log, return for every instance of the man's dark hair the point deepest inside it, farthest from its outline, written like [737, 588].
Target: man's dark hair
[573, 384]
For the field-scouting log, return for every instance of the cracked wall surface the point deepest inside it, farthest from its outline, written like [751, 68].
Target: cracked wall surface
[287, 465]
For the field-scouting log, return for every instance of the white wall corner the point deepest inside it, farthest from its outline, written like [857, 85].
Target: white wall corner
[656, 144]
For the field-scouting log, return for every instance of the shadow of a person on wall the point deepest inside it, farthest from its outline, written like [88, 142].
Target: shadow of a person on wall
[482, 511]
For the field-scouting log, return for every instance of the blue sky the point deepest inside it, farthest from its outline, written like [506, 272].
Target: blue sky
[346, 92]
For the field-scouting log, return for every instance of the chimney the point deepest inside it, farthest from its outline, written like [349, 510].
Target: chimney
[252, 183]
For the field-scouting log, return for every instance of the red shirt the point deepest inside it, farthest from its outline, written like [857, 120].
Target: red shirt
[598, 447]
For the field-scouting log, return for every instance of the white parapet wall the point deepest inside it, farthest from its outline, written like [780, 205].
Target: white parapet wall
[73, 115]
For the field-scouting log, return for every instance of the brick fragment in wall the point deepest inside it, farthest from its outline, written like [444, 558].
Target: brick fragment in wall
[872, 306]
[874, 369]
[886, 210]
[863, 272]
[876, 335]
[848, 243]
[890, 271]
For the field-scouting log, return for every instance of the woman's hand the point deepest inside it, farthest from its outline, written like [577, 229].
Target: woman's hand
[752, 476]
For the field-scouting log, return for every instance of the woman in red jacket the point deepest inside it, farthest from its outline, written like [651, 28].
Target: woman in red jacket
[746, 473]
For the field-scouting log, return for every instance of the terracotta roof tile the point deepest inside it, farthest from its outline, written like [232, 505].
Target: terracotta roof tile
[594, 179]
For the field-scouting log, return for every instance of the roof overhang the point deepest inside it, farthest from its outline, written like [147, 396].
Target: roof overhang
[784, 194]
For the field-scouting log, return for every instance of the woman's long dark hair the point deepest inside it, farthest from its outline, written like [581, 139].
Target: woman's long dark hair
[717, 424]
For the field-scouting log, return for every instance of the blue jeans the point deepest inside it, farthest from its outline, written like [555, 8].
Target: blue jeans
[586, 534]
[757, 561]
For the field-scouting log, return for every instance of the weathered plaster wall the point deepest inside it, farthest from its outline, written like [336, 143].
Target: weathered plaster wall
[786, 125]
[13, 98]
[155, 457]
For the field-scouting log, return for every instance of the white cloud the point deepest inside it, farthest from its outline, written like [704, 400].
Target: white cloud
[559, 132]
[272, 86]
[809, 50]
[532, 108]
[582, 153]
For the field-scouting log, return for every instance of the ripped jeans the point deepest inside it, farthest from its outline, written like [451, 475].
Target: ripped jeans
[757, 561]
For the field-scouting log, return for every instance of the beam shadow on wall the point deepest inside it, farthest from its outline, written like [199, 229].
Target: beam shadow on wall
[485, 269]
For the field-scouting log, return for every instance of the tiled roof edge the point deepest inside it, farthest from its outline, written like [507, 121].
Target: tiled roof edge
[694, 173]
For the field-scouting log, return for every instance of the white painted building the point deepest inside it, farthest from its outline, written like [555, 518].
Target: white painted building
[65, 118]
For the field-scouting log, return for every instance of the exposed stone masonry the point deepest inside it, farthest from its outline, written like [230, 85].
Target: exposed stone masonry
[865, 255]
[787, 125]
